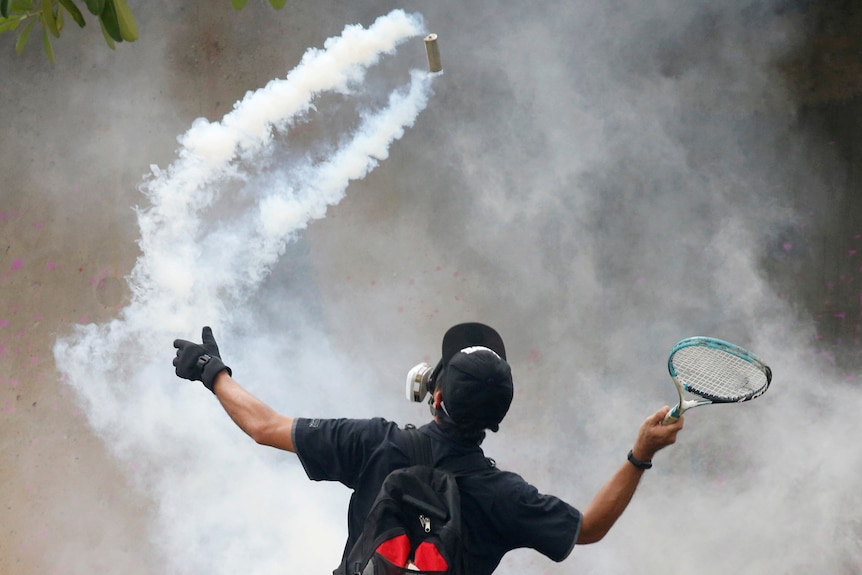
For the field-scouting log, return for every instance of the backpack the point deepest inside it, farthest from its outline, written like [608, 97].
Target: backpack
[414, 525]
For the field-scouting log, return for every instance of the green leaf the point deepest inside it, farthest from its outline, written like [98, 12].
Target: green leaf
[73, 10]
[48, 19]
[10, 24]
[278, 4]
[21, 6]
[95, 6]
[46, 43]
[4, 8]
[238, 4]
[23, 37]
[109, 20]
[108, 39]
[128, 26]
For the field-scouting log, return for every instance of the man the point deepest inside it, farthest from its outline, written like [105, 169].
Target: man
[471, 390]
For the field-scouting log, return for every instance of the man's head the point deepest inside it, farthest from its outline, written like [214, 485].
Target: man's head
[473, 377]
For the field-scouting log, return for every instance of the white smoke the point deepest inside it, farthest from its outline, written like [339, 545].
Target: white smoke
[218, 219]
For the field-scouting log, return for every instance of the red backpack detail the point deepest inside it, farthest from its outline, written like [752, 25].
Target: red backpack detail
[414, 526]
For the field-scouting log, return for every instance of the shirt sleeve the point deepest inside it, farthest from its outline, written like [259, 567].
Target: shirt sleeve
[547, 523]
[337, 449]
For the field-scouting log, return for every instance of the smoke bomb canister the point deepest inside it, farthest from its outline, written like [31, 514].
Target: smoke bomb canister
[433, 52]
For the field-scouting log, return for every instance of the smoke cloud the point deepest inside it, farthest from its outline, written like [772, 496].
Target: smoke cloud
[218, 219]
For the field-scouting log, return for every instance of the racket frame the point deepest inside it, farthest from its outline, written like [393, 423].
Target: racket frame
[701, 399]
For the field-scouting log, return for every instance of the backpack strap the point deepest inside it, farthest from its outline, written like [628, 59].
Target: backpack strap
[467, 464]
[419, 447]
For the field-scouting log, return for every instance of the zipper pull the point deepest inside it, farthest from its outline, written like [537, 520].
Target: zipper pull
[426, 523]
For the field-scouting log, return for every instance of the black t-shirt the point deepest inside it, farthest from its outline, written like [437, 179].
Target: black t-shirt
[500, 510]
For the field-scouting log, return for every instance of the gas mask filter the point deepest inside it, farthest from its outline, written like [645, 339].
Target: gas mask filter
[419, 382]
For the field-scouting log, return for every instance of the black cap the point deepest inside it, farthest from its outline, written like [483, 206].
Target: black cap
[471, 334]
[474, 377]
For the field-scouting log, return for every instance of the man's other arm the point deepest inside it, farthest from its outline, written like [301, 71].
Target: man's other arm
[612, 499]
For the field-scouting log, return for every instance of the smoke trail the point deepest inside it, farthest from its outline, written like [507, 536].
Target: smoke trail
[218, 219]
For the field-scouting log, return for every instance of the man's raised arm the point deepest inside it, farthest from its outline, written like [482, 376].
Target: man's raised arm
[612, 499]
[202, 362]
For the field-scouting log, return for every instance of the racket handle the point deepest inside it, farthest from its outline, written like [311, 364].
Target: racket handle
[672, 416]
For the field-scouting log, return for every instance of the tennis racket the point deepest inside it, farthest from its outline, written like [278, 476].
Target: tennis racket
[713, 371]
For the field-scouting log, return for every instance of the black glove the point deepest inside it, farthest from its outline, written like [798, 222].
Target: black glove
[199, 362]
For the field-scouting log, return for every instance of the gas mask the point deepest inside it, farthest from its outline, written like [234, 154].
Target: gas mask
[420, 382]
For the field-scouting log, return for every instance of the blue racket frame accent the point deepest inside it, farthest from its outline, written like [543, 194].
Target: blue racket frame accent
[716, 343]
[724, 346]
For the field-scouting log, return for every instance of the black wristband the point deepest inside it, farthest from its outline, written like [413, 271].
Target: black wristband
[637, 462]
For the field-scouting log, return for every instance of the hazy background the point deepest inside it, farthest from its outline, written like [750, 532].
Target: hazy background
[597, 181]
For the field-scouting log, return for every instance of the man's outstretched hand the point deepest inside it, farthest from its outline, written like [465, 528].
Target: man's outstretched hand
[199, 362]
[653, 435]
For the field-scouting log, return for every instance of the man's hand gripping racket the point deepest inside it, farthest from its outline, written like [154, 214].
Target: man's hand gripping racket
[710, 370]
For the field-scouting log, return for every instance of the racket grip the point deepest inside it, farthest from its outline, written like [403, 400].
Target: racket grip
[672, 416]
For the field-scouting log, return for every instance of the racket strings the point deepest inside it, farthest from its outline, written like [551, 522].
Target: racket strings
[717, 374]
